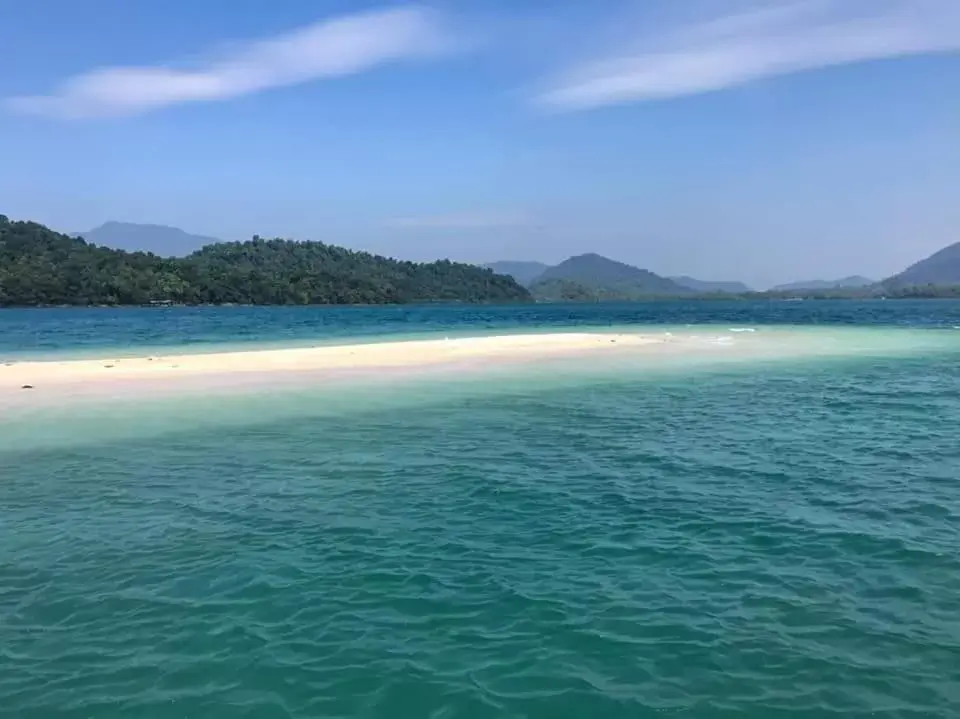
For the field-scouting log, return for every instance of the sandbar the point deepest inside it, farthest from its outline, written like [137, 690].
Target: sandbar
[38, 375]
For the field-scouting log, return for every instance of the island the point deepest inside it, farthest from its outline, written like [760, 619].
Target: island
[40, 267]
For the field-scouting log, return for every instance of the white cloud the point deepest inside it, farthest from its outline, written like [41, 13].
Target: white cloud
[772, 37]
[330, 48]
[462, 222]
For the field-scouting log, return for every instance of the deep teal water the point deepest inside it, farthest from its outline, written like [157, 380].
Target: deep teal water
[759, 539]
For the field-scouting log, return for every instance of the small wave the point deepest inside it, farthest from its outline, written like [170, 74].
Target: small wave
[742, 329]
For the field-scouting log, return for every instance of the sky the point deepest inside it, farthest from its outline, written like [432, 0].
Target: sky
[759, 140]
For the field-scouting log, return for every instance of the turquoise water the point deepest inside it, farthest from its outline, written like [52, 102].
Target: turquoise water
[770, 534]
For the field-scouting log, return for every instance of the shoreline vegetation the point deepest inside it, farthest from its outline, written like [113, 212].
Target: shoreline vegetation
[43, 268]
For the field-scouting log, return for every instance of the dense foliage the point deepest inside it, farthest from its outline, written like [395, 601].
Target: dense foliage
[42, 267]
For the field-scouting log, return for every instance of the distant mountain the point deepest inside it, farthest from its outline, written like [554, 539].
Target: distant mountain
[523, 272]
[710, 285]
[846, 283]
[606, 279]
[158, 239]
[940, 268]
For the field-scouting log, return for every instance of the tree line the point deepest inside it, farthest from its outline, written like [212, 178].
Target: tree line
[41, 267]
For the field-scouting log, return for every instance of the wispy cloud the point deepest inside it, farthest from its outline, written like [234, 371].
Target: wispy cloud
[330, 48]
[463, 222]
[770, 38]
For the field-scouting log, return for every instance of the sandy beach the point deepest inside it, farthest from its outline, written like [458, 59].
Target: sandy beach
[38, 375]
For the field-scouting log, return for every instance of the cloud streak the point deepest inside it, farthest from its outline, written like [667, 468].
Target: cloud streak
[331, 48]
[771, 38]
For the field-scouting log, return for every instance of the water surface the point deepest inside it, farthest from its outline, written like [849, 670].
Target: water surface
[771, 537]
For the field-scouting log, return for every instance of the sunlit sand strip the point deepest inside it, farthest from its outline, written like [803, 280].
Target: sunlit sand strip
[40, 374]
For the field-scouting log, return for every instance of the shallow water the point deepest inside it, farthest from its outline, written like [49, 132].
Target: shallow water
[760, 534]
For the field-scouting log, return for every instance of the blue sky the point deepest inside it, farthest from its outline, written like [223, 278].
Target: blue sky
[763, 140]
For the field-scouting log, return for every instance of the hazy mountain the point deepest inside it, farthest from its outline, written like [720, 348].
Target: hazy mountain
[158, 239]
[523, 272]
[842, 284]
[940, 268]
[710, 285]
[607, 279]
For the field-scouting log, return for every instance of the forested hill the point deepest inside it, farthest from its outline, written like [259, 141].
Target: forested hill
[41, 267]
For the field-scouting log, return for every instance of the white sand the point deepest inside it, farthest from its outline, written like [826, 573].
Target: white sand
[108, 371]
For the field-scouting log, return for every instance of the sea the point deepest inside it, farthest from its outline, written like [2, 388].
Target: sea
[769, 532]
